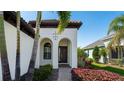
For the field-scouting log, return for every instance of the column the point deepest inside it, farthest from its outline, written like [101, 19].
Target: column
[74, 55]
[55, 54]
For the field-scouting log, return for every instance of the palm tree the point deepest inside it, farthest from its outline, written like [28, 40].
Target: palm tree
[17, 70]
[117, 26]
[64, 18]
[35, 46]
[3, 51]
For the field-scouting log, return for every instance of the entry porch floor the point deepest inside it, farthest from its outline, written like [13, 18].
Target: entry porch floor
[64, 74]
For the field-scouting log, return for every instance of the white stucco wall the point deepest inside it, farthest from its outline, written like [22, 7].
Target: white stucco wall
[70, 34]
[10, 34]
[90, 53]
[26, 44]
[106, 43]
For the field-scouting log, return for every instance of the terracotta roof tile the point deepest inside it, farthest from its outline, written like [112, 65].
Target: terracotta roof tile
[54, 23]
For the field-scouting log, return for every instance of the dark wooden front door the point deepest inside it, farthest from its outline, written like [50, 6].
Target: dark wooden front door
[62, 54]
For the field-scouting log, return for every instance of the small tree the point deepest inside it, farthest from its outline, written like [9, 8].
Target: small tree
[103, 53]
[96, 55]
[81, 54]
[81, 57]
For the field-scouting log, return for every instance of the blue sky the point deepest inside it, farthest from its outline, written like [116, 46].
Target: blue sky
[95, 23]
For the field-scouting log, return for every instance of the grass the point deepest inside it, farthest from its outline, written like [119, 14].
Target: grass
[108, 68]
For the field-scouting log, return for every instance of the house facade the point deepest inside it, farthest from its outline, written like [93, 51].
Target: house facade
[103, 43]
[89, 48]
[53, 48]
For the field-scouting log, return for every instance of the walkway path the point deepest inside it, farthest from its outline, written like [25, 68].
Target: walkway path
[115, 66]
[64, 74]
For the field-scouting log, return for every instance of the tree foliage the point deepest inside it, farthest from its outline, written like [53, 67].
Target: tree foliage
[96, 55]
[103, 52]
[81, 53]
[64, 18]
[116, 26]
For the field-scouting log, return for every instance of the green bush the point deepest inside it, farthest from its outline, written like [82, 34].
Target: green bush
[42, 73]
[96, 54]
[103, 53]
[89, 60]
[81, 54]
[81, 64]
[120, 62]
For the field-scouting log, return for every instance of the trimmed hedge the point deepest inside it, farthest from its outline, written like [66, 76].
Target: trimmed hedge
[42, 73]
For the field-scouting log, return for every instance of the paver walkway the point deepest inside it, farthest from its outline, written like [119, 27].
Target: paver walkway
[64, 74]
[115, 66]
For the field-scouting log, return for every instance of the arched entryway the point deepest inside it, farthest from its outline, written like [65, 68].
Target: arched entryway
[64, 51]
[46, 48]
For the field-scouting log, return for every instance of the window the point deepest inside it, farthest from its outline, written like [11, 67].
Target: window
[114, 53]
[47, 51]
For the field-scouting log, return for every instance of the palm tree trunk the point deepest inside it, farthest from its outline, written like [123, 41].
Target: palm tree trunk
[119, 56]
[29, 76]
[17, 70]
[3, 50]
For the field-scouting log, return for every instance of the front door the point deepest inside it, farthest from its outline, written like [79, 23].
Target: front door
[62, 54]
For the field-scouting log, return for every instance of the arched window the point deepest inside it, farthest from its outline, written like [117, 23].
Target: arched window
[47, 51]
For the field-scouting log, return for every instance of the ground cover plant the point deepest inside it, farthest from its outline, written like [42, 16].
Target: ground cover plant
[80, 74]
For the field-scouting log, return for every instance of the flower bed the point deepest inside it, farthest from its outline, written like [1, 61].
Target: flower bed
[79, 74]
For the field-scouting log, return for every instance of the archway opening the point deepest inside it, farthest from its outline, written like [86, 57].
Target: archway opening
[46, 49]
[64, 52]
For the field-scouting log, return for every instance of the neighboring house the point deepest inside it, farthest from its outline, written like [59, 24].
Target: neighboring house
[52, 48]
[89, 48]
[102, 43]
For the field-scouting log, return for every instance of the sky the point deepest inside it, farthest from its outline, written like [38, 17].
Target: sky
[95, 23]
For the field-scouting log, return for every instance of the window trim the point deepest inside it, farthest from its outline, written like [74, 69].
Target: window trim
[47, 53]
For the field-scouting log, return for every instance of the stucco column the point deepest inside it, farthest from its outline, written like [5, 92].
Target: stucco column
[55, 54]
[74, 55]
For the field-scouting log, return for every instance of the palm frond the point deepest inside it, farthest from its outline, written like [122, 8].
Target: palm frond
[116, 24]
[64, 17]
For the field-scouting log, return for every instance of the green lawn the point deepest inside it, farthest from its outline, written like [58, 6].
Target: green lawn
[108, 68]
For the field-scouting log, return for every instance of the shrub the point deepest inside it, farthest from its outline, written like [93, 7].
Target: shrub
[81, 54]
[120, 62]
[96, 55]
[103, 52]
[88, 62]
[81, 64]
[93, 75]
[42, 73]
